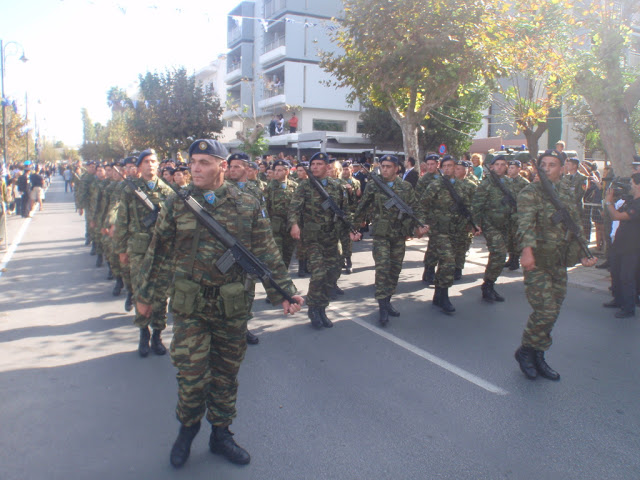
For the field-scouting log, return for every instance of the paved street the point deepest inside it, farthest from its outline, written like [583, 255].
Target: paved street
[430, 397]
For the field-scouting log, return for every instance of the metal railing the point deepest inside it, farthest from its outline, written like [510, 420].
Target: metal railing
[273, 90]
[273, 43]
[234, 66]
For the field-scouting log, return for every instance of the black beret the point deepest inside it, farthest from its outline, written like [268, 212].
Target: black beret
[304, 164]
[281, 163]
[209, 147]
[169, 169]
[550, 153]
[320, 156]
[389, 158]
[239, 156]
[517, 163]
[460, 162]
[432, 156]
[254, 165]
[447, 158]
[498, 157]
[130, 160]
[346, 164]
[143, 154]
[574, 160]
[182, 168]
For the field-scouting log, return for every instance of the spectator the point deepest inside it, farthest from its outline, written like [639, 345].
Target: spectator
[476, 160]
[293, 123]
[37, 190]
[24, 187]
[273, 124]
[410, 174]
[68, 176]
[280, 125]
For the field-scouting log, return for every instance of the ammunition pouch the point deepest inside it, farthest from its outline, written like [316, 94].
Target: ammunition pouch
[139, 243]
[277, 223]
[185, 298]
[382, 228]
[234, 300]
[311, 232]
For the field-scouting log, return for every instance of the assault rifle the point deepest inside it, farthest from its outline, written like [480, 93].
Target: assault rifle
[462, 208]
[237, 252]
[329, 203]
[507, 196]
[149, 219]
[562, 215]
[394, 199]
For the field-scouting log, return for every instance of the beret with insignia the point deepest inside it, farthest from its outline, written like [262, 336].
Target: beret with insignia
[346, 164]
[550, 153]
[459, 162]
[320, 156]
[144, 154]
[281, 163]
[389, 158]
[130, 160]
[498, 157]
[432, 156]
[239, 156]
[447, 158]
[209, 147]
[254, 166]
[517, 163]
[304, 164]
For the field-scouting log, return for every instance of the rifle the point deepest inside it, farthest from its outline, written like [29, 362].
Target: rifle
[152, 216]
[462, 208]
[507, 197]
[394, 200]
[561, 215]
[329, 203]
[237, 252]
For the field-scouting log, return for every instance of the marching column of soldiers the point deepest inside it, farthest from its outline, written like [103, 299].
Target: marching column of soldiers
[197, 237]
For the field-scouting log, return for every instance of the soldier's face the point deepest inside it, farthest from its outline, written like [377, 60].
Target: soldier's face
[500, 167]
[252, 173]
[100, 173]
[552, 167]
[346, 172]
[432, 166]
[319, 168]
[389, 171]
[460, 171]
[513, 171]
[91, 169]
[302, 174]
[148, 168]
[447, 168]
[280, 173]
[207, 172]
[178, 177]
[237, 171]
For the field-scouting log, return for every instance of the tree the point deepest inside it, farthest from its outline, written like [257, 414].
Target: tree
[411, 57]
[17, 137]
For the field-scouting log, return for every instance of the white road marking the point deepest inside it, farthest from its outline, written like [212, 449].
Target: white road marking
[469, 377]
[14, 245]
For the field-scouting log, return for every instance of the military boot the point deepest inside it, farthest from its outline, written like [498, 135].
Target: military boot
[182, 446]
[323, 317]
[384, 313]
[347, 265]
[128, 303]
[301, 268]
[486, 292]
[143, 346]
[156, 343]
[457, 274]
[445, 303]
[526, 359]
[93, 248]
[429, 275]
[221, 442]
[99, 260]
[488, 286]
[117, 288]
[314, 316]
[87, 240]
[543, 368]
[515, 263]
[437, 295]
[509, 262]
[110, 272]
[392, 311]
[252, 339]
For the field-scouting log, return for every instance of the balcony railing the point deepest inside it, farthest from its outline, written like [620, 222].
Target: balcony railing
[273, 90]
[273, 43]
[272, 7]
[234, 66]
[234, 34]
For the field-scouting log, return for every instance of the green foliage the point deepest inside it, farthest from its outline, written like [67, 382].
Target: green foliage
[254, 144]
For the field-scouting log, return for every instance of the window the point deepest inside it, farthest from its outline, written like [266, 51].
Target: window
[228, 123]
[360, 127]
[329, 125]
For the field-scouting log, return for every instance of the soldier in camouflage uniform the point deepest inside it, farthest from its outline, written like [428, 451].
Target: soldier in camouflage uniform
[430, 256]
[303, 265]
[83, 188]
[103, 218]
[462, 237]
[131, 240]
[209, 307]
[320, 236]
[517, 183]
[546, 254]
[252, 177]
[389, 232]
[278, 195]
[353, 193]
[131, 172]
[492, 213]
[96, 192]
[443, 217]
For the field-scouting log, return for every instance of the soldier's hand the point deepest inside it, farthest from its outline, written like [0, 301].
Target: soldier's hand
[355, 237]
[422, 231]
[112, 230]
[295, 232]
[527, 260]
[477, 231]
[80, 211]
[144, 309]
[124, 258]
[589, 262]
[291, 308]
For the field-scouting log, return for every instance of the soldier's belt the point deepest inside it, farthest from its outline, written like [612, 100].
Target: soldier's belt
[210, 292]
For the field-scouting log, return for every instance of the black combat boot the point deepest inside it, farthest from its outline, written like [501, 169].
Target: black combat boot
[515, 263]
[526, 359]
[93, 248]
[543, 368]
[489, 294]
[496, 296]
[306, 267]
[128, 303]
[457, 274]
[252, 339]
[110, 272]
[392, 311]
[301, 268]
[156, 343]
[348, 265]
[429, 275]
[143, 346]
[117, 288]
[445, 303]
[99, 260]
[437, 295]
[221, 442]
[87, 239]
[182, 446]
[323, 317]
[384, 313]
[337, 290]
[314, 316]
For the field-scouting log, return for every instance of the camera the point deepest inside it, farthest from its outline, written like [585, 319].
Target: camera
[621, 187]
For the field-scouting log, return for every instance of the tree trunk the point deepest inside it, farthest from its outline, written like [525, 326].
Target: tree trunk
[410, 139]
[532, 137]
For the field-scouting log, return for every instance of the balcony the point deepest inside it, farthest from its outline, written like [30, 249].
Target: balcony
[272, 95]
[234, 71]
[273, 7]
[274, 49]
[233, 34]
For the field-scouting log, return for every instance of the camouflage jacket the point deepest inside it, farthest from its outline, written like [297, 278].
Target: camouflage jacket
[259, 184]
[489, 206]
[517, 184]
[83, 188]
[131, 213]
[425, 180]
[177, 229]
[385, 221]
[278, 196]
[352, 196]
[306, 210]
[105, 200]
[96, 194]
[578, 184]
[438, 208]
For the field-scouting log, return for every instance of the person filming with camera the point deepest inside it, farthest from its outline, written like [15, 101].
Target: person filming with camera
[625, 252]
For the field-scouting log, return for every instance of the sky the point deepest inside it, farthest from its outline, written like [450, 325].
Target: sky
[79, 49]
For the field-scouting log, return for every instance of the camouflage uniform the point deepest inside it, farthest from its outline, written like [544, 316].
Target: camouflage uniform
[352, 200]
[462, 238]
[278, 197]
[94, 205]
[209, 308]
[516, 185]
[389, 232]
[133, 238]
[320, 236]
[546, 285]
[82, 191]
[430, 255]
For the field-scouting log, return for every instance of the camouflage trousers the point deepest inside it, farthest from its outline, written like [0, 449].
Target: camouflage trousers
[545, 289]
[512, 241]
[158, 318]
[207, 350]
[497, 245]
[388, 254]
[461, 243]
[325, 263]
[111, 256]
[345, 242]
[442, 246]
[300, 252]
[430, 255]
[286, 245]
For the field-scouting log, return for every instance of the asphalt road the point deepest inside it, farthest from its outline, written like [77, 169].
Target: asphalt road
[430, 397]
